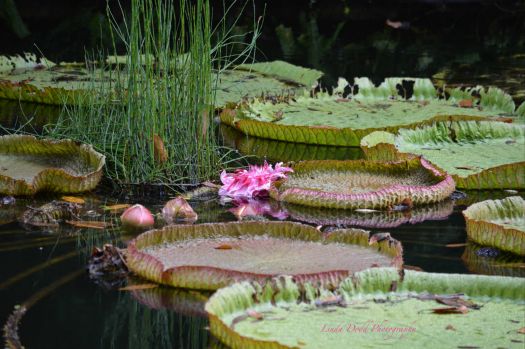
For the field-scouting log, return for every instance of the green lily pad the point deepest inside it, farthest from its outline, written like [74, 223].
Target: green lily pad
[277, 151]
[39, 80]
[373, 308]
[498, 223]
[210, 256]
[478, 155]
[360, 184]
[333, 120]
[376, 219]
[504, 264]
[29, 165]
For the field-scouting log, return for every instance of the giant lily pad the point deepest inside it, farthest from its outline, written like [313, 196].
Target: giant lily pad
[376, 219]
[29, 165]
[354, 184]
[373, 308]
[210, 256]
[333, 120]
[277, 151]
[39, 80]
[479, 155]
[478, 261]
[498, 223]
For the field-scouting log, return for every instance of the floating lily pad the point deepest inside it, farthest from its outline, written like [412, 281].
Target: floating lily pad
[277, 151]
[504, 264]
[39, 80]
[29, 165]
[479, 155]
[187, 302]
[377, 219]
[498, 223]
[354, 184]
[210, 256]
[373, 308]
[333, 120]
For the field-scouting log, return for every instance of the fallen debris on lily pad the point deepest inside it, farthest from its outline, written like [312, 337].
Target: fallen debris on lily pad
[29, 165]
[498, 223]
[478, 155]
[362, 184]
[210, 256]
[371, 308]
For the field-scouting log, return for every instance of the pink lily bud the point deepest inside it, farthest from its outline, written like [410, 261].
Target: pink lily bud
[178, 209]
[137, 217]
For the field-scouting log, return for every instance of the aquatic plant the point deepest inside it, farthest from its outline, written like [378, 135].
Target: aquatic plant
[340, 119]
[362, 184]
[370, 308]
[210, 256]
[253, 182]
[498, 223]
[478, 155]
[30, 165]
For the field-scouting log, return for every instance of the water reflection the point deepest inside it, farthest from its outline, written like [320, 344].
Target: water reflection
[505, 264]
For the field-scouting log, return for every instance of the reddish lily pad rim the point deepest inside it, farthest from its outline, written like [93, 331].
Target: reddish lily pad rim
[212, 278]
[373, 199]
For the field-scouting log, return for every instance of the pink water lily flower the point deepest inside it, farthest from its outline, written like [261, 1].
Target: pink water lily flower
[254, 182]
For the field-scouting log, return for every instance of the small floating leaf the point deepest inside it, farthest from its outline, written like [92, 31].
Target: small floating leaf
[116, 208]
[89, 224]
[73, 199]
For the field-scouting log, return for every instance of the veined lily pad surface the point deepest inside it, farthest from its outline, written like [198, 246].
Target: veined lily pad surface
[29, 165]
[357, 184]
[334, 120]
[210, 256]
[479, 155]
[373, 308]
[498, 223]
[33, 79]
[377, 219]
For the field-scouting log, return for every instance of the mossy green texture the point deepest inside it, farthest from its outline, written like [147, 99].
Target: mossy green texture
[333, 120]
[223, 245]
[382, 307]
[478, 155]
[359, 184]
[42, 81]
[29, 165]
[498, 223]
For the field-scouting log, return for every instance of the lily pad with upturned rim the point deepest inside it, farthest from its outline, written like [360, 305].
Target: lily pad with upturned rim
[355, 184]
[478, 155]
[327, 119]
[29, 165]
[374, 307]
[498, 223]
[210, 256]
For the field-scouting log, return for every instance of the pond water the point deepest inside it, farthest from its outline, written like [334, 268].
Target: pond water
[47, 270]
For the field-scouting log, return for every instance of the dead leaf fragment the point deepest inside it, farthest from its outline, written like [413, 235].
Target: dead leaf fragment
[255, 315]
[521, 330]
[465, 103]
[138, 287]
[452, 310]
[462, 244]
[159, 151]
[116, 208]
[89, 224]
[73, 199]
[450, 327]
[223, 247]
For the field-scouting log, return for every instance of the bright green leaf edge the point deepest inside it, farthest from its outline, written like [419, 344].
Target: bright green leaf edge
[498, 223]
[369, 284]
[498, 162]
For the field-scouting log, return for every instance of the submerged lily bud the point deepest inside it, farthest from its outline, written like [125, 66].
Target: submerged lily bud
[178, 209]
[137, 217]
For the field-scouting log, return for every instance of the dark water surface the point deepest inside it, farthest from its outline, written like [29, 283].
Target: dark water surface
[468, 43]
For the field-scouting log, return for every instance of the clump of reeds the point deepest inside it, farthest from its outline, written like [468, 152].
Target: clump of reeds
[151, 110]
